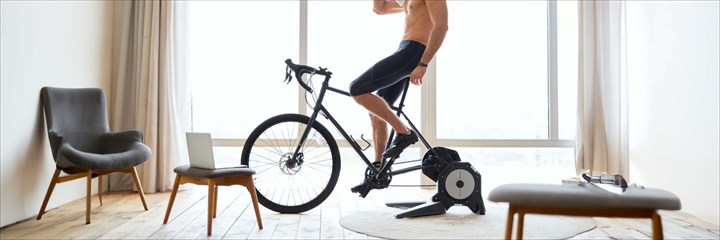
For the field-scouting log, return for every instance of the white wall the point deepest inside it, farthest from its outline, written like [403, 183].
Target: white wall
[673, 74]
[61, 44]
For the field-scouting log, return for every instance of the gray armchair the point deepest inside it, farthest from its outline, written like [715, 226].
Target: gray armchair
[82, 144]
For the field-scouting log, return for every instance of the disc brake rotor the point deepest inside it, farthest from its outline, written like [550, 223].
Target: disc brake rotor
[289, 166]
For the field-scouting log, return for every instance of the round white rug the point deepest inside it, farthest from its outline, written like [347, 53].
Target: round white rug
[460, 223]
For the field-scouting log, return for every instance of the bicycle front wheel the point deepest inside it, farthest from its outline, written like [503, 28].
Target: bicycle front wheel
[288, 185]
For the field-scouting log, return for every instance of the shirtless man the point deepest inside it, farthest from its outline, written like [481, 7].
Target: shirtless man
[426, 22]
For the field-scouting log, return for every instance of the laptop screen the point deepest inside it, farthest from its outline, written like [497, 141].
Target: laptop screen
[200, 150]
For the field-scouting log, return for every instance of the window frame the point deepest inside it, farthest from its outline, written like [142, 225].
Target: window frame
[429, 96]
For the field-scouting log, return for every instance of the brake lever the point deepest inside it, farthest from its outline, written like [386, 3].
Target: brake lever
[288, 76]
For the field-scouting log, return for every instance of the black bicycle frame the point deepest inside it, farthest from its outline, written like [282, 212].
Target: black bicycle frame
[320, 108]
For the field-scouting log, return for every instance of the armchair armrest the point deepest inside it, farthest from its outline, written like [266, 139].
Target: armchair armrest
[55, 142]
[132, 134]
[119, 141]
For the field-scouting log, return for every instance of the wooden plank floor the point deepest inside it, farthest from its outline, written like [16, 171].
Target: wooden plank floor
[123, 217]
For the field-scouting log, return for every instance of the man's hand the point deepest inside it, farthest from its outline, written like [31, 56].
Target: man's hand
[417, 74]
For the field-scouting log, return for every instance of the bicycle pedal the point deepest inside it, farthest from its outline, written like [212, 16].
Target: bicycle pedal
[366, 189]
[363, 193]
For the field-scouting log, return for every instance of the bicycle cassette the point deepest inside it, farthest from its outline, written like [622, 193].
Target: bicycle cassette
[438, 158]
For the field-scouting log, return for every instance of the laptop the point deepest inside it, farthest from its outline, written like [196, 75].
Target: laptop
[200, 151]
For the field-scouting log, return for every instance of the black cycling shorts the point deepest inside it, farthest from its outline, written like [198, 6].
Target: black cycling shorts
[388, 76]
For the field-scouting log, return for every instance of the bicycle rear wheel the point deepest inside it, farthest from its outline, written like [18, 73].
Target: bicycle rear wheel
[284, 185]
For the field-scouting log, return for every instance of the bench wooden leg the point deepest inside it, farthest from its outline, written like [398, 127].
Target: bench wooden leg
[509, 227]
[657, 226]
[521, 220]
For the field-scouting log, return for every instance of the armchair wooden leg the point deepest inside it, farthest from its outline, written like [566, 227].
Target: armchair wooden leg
[100, 188]
[139, 187]
[87, 199]
[253, 195]
[53, 182]
[172, 197]
[211, 203]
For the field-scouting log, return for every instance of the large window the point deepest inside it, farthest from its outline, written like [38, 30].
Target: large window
[236, 61]
[501, 90]
[496, 74]
[501, 74]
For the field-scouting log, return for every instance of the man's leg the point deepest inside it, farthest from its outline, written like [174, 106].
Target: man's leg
[379, 108]
[380, 136]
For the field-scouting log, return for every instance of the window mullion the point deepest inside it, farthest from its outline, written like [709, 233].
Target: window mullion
[428, 105]
[428, 112]
[303, 45]
[552, 72]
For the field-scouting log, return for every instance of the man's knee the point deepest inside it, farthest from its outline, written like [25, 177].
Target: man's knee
[362, 98]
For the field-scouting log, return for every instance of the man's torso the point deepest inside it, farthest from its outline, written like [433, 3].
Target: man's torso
[417, 22]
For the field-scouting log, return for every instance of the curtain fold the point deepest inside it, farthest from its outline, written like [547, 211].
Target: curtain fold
[149, 90]
[602, 140]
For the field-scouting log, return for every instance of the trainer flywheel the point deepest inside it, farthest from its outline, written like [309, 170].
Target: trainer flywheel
[460, 184]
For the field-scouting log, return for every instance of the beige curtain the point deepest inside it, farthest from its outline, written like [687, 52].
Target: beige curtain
[149, 90]
[602, 140]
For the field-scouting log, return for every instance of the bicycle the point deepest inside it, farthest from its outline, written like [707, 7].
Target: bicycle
[298, 162]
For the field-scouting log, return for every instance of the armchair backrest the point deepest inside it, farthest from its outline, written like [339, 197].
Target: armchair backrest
[76, 116]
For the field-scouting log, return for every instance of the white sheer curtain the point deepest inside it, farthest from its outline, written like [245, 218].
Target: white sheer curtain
[149, 87]
[602, 141]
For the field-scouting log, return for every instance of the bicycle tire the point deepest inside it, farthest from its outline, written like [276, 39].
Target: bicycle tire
[307, 185]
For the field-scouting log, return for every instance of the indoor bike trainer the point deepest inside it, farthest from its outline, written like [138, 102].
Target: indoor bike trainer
[458, 183]
[298, 162]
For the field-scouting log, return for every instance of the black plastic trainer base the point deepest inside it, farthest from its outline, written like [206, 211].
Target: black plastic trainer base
[458, 184]
[404, 204]
[425, 209]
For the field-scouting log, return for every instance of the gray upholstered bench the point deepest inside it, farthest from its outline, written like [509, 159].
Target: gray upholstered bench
[583, 200]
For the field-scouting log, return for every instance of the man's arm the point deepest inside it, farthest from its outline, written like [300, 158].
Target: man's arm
[437, 9]
[387, 7]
